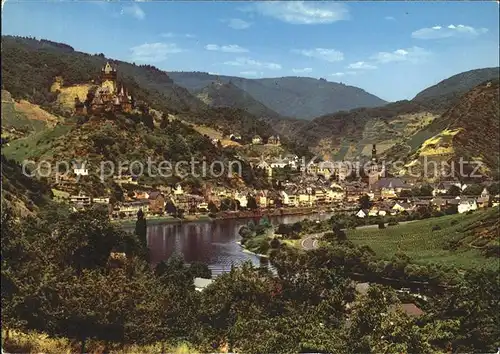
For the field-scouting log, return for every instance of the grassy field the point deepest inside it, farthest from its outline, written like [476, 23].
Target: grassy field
[291, 243]
[423, 245]
[24, 115]
[60, 195]
[212, 133]
[35, 145]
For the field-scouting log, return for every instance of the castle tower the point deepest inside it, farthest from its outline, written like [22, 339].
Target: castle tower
[108, 78]
[374, 153]
[108, 72]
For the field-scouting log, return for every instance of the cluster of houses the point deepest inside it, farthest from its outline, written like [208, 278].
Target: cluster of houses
[319, 187]
[272, 140]
[288, 161]
[393, 205]
[386, 197]
[256, 139]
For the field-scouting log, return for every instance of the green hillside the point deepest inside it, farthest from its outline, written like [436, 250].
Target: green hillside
[459, 84]
[386, 125]
[15, 122]
[24, 195]
[402, 128]
[228, 95]
[464, 241]
[30, 66]
[469, 130]
[298, 97]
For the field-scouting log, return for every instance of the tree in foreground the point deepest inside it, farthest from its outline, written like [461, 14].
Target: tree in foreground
[141, 228]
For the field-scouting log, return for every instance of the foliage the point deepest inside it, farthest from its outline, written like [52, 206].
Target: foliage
[364, 202]
[16, 185]
[300, 308]
[141, 228]
[454, 191]
[448, 240]
[252, 203]
[200, 270]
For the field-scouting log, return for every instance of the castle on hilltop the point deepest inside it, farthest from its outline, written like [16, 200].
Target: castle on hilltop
[107, 97]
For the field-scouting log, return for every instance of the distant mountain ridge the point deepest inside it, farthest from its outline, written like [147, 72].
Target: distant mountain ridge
[298, 97]
[220, 94]
[399, 128]
[458, 84]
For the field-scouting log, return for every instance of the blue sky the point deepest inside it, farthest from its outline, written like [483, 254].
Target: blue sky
[390, 49]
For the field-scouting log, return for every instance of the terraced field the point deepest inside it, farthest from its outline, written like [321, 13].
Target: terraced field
[453, 244]
[35, 145]
[13, 116]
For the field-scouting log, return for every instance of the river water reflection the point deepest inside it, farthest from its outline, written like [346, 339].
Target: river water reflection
[213, 243]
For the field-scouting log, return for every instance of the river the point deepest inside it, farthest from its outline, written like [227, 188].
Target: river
[211, 242]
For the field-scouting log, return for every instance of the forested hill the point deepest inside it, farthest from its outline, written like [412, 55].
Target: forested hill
[220, 94]
[22, 194]
[400, 128]
[29, 67]
[457, 85]
[298, 97]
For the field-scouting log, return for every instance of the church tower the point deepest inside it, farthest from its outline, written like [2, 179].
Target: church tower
[373, 172]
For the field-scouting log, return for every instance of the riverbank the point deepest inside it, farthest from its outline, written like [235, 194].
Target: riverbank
[226, 215]
[245, 214]
[246, 250]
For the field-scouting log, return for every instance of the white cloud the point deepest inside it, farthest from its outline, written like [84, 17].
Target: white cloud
[302, 12]
[302, 71]
[330, 55]
[413, 55]
[389, 18]
[361, 65]
[438, 32]
[231, 48]
[133, 10]
[252, 73]
[340, 74]
[252, 62]
[238, 23]
[172, 35]
[154, 52]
